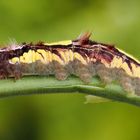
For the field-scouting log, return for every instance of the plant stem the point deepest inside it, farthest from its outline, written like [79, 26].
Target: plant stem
[45, 85]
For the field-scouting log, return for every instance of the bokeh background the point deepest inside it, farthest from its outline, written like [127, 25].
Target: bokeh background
[65, 116]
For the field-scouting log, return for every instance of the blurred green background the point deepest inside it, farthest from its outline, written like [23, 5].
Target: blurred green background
[65, 116]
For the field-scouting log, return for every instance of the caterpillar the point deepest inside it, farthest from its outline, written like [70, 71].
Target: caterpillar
[81, 57]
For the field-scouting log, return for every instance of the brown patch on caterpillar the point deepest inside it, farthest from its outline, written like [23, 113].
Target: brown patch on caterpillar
[108, 75]
[60, 61]
[104, 73]
[40, 68]
[136, 82]
[81, 70]
[125, 81]
[60, 71]
[7, 69]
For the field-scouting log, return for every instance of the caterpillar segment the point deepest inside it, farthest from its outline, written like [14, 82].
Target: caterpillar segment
[81, 57]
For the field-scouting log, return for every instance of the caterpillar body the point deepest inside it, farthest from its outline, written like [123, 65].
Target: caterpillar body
[81, 57]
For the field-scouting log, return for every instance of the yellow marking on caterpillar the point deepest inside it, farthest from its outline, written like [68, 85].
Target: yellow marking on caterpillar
[57, 58]
[33, 56]
[136, 70]
[65, 56]
[71, 55]
[49, 56]
[39, 57]
[15, 60]
[44, 54]
[28, 56]
[65, 43]
[117, 62]
[105, 63]
[80, 58]
[93, 60]
[25, 57]
[126, 68]
[21, 59]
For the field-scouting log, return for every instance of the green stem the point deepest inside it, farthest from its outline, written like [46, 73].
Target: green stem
[41, 85]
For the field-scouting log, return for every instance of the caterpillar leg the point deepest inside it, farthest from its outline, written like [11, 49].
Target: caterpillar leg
[82, 71]
[126, 82]
[104, 73]
[60, 71]
[3, 74]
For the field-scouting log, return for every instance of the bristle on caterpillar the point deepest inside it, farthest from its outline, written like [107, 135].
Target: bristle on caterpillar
[81, 57]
